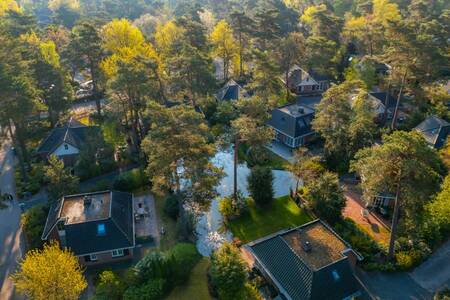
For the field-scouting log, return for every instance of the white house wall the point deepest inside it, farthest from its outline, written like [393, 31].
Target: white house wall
[65, 149]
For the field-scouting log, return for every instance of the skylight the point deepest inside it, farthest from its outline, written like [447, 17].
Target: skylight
[101, 229]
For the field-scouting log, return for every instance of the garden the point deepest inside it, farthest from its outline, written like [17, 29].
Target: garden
[260, 221]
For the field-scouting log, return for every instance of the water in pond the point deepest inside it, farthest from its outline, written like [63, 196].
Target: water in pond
[209, 224]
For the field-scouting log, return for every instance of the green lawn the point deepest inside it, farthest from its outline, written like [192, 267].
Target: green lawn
[271, 160]
[282, 213]
[197, 285]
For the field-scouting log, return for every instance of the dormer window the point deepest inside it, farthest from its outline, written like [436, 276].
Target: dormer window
[101, 229]
[66, 146]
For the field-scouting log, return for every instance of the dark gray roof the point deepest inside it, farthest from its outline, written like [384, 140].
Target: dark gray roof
[292, 119]
[73, 133]
[309, 101]
[82, 237]
[285, 267]
[435, 131]
[391, 101]
[231, 91]
[294, 277]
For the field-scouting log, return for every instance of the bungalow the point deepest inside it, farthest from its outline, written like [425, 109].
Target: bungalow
[306, 82]
[310, 262]
[97, 227]
[231, 91]
[66, 141]
[435, 131]
[292, 124]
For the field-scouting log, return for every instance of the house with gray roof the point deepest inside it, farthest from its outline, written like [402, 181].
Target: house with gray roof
[97, 227]
[435, 131]
[67, 140]
[231, 91]
[292, 124]
[304, 82]
[309, 262]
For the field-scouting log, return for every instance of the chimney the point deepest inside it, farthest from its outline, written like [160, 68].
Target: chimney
[87, 201]
[307, 246]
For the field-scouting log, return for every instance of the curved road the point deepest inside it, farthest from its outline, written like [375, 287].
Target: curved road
[11, 245]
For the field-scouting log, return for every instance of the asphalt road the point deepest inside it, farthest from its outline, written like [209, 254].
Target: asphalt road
[11, 242]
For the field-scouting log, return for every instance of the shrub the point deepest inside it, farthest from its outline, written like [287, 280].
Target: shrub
[228, 272]
[152, 266]
[153, 290]
[130, 180]
[33, 222]
[186, 226]
[405, 260]
[230, 208]
[260, 185]
[185, 257]
[171, 206]
[110, 287]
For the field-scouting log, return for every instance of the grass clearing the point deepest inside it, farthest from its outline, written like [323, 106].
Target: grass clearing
[261, 221]
[169, 239]
[271, 160]
[197, 285]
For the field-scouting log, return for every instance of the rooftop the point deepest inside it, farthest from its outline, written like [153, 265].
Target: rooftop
[316, 245]
[86, 208]
[297, 110]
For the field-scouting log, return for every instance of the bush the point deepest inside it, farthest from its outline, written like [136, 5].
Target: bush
[171, 206]
[154, 265]
[33, 222]
[35, 180]
[185, 256]
[359, 240]
[230, 208]
[109, 287]
[153, 290]
[131, 180]
[260, 185]
[101, 185]
[186, 226]
[405, 260]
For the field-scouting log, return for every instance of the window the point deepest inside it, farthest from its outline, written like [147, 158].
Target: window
[93, 257]
[117, 253]
[66, 146]
[101, 229]
[336, 275]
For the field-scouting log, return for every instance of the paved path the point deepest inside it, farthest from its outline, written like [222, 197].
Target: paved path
[393, 286]
[11, 242]
[434, 273]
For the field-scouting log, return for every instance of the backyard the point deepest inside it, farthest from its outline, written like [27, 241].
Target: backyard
[261, 221]
[197, 285]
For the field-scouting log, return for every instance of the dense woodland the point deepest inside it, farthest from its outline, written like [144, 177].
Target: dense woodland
[159, 63]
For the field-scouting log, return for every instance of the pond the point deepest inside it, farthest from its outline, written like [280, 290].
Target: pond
[208, 229]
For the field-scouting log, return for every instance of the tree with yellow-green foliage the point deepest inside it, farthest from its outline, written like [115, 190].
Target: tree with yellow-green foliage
[120, 34]
[8, 5]
[166, 36]
[224, 45]
[134, 74]
[368, 30]
[50, 273]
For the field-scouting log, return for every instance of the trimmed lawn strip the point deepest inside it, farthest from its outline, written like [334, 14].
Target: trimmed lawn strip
[169, 239]
[197, 285]
[273, 161]
[261, 221]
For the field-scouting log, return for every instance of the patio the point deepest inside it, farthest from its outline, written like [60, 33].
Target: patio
[145, 217]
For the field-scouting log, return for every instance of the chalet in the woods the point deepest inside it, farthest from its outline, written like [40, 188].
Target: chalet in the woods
[435, 131]
[304, 82]
[292, 124]
[307, 262]
[97, 227]
[67, 140]
[231, 91]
